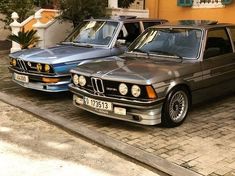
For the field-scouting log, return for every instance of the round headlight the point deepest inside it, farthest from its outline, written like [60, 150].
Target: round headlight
[13, 62]
[39, 67]
[135, 90]
[82, 81]
[47, 68]
[75, 79]
[29, 64]
[123, 89]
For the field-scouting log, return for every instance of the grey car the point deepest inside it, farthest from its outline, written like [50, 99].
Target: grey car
[165, 70]
[48, 69]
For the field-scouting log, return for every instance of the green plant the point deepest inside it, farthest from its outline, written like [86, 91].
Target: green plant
[24, 8]
[25, 38]
[78, 10]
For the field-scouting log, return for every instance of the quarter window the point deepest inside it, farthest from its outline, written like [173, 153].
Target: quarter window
[217, 43]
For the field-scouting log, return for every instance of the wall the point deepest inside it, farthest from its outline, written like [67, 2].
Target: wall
[169, 10]
[3, 32]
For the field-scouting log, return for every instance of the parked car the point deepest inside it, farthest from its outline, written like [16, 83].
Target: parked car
[166, 69]
[48, 69]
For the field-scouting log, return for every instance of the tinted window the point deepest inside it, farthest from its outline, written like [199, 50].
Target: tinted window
[132, 30]
[217, 43]
[150, 23]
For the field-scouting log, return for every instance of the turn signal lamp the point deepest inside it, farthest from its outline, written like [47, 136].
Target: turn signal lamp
[50, 80]
[151, 93]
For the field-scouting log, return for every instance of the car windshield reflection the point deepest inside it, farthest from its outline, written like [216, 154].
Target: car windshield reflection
[93, 33]
[180, 42]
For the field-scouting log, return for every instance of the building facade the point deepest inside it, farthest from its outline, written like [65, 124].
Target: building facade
[172, 10]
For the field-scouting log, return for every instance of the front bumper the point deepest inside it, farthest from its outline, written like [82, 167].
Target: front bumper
[35, 81]
[146, 113]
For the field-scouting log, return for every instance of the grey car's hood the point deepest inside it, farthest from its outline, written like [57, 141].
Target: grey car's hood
[59, 54]
[136, 70]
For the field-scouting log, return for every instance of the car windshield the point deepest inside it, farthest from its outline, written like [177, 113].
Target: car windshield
[174, 42]
[93, 33]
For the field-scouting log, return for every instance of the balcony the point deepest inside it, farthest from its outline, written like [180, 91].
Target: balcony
[208, 4]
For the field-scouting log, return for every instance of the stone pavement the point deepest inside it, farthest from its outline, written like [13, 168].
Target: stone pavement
[203, 145]
[32, 147]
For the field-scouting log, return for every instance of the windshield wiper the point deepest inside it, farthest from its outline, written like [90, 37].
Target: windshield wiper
[167, 53]
[82, 44]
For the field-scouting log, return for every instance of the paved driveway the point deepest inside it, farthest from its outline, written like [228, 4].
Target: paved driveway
[204, 144]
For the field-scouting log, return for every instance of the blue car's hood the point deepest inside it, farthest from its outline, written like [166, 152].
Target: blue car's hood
[60, 54]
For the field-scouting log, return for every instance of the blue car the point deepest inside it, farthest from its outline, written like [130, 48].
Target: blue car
[48, 69]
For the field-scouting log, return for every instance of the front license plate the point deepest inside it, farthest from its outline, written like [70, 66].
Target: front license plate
[21, 78]
[98, 104]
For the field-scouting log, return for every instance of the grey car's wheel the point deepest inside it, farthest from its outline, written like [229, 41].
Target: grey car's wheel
[176, 107]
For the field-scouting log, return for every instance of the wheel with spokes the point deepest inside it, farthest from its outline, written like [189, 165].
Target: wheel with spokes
[176, 107]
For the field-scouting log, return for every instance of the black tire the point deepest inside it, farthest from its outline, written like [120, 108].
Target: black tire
[176, 107]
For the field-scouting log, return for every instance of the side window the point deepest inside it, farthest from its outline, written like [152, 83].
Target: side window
[132, 30]
[232, 30]
[150, 23]
[217, 43]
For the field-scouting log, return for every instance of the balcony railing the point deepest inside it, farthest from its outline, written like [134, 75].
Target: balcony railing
[207, 4]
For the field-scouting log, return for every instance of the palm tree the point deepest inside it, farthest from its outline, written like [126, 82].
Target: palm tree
[25, 39]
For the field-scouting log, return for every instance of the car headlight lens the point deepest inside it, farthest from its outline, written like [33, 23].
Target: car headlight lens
[82, 81]
[13, 62]
[47, 68]
[39, 67]
[123, 89]
[75, 79]
[135, 91]
[29, 64]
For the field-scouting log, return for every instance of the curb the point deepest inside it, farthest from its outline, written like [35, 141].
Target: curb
[133, 152]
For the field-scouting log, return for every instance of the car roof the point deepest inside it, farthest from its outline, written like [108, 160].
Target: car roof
[202, 24]
[126, 19]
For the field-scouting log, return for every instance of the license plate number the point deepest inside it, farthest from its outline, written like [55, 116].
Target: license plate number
[98, 104]
[21, 78]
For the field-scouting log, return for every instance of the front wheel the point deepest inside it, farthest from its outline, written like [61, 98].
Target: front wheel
[176, 107]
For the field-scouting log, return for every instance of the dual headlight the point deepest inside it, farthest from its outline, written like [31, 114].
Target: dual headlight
[42, 67]
[79, 80]
[135, 90]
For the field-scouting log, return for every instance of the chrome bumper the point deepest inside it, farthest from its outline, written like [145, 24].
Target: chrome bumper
[38, 85]
[137, 112]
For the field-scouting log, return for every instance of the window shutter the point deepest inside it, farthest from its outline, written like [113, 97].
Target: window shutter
[185, 3]
[225, 2]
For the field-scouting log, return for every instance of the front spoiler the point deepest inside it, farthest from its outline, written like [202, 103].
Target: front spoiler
[138, 112]
[38, 85]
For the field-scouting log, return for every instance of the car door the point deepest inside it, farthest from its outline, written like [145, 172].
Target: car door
[218, 61]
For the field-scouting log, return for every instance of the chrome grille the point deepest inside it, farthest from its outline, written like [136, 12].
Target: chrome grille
[22, 65]
[97, 85]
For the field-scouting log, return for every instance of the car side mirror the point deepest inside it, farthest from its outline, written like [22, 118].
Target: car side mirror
[211, 52]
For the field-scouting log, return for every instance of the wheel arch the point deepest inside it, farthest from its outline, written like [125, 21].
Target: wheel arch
[180, 84]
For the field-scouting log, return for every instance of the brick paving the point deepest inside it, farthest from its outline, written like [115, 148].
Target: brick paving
[205, 143]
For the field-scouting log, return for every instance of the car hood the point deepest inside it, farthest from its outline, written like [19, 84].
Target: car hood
[59, 54]
[127, 69]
